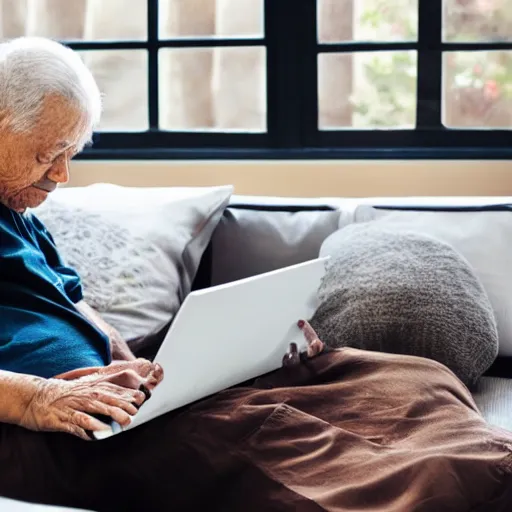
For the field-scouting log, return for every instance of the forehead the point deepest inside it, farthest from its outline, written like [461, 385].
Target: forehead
[60, 124]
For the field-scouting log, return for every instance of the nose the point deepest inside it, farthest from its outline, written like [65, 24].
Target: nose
[59, 171]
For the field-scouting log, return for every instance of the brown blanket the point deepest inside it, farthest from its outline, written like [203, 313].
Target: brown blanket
[353, 431]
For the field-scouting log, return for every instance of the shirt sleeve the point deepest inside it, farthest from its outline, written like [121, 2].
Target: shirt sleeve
[70, 278]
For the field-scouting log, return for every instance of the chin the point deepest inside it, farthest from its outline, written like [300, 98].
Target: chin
[34, 204]
[29, 203]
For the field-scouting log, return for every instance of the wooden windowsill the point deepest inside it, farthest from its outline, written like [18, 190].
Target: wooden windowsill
[309, 178]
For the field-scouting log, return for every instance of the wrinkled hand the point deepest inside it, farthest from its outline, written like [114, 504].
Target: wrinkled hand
[68, 402]
[138, 374]
[315, 346]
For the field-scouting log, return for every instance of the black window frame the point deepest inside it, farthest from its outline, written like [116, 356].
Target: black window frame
[292, 49]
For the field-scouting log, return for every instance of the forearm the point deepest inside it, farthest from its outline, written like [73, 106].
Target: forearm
[120, 350]
[16, 392]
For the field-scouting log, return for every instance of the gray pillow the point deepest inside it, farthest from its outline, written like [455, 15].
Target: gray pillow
[402, 292]
[250, 241]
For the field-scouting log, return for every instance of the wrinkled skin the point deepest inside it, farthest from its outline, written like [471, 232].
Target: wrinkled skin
[67, 402]
[33, 164]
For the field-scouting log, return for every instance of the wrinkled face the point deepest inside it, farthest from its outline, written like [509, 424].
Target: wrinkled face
[33, 164]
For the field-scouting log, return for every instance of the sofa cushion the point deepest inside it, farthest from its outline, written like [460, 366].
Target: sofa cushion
[137, 250]
[403, 292]
[482, 234]
[261, 233]
[255, 238]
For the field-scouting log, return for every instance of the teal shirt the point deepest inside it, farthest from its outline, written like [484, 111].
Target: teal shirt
[41, 331]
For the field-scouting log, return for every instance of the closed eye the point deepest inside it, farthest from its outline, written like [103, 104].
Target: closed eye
[49, 160]
[46, 160]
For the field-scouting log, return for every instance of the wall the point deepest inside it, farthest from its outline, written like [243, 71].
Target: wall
[310, 178]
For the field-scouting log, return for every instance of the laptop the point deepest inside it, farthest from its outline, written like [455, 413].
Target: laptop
[230, 333]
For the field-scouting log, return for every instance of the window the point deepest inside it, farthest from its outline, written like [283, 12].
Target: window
[289, 78]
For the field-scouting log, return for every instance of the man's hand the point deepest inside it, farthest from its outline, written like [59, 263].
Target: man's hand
[69, 406]
[118, 347]
[139, 373]
[295, 371]
[69, 402]
[315, 346]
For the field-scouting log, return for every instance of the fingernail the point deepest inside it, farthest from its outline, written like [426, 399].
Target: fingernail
[300, 323]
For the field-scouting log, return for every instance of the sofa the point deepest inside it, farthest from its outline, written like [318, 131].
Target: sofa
[192, 238]
[260, 234]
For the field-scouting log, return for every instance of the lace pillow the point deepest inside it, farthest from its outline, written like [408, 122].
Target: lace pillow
[136, 250]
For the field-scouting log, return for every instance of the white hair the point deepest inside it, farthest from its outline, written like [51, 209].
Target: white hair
[33, 67]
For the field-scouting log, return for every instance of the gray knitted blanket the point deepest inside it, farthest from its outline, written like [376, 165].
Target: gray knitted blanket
[391, 290]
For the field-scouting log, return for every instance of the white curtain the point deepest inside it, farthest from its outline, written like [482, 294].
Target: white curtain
[222, 88]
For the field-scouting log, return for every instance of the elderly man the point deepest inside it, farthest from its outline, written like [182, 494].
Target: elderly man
[49, 104]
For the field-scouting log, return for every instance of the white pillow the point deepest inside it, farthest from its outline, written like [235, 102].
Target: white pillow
[137, 250]
[483, 237]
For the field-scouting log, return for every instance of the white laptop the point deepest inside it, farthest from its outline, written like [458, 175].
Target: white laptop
[228, 334]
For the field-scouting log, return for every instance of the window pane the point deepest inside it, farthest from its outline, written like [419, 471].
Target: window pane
[210, 18]
[477, 89]
[477, 20]
[367, 90]
[122, 78]
[213, 89]
[367, 20]
[75, 19]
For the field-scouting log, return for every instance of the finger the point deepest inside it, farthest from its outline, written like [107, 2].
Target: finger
[78, 373]
[111, 394]
[149, 385]
[116, 412]
[154, 379]
[158, 374]
[140, 366]
[129, 379]
[119, 409]
[76, 431]
[120, 416]
[315, 348]
[146, 391]
[130, 395]
[87, 422]
[129, 406]
[315, 345]
[307, 330]
[292, 357]
[139, 398]
[143, 367]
